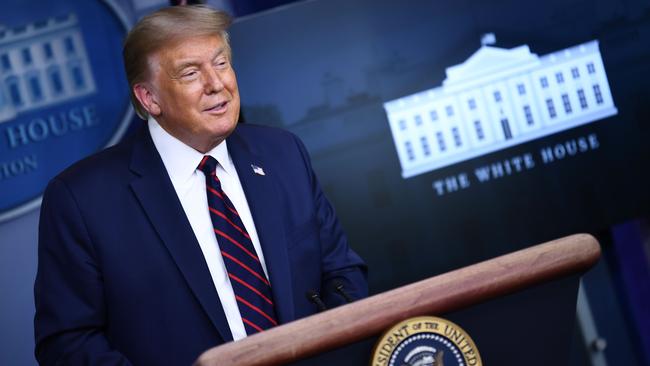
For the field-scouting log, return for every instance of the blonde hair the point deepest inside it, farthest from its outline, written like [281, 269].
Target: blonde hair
[162, 27]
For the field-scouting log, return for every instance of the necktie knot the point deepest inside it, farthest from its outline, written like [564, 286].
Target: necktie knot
[208, 165]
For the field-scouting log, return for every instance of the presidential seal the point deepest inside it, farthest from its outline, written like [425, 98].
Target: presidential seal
[426, 341]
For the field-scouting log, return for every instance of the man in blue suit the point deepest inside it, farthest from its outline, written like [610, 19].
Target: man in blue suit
[143, 246]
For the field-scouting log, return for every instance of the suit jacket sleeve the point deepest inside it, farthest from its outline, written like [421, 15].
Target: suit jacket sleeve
[70, 309]
[341, 266]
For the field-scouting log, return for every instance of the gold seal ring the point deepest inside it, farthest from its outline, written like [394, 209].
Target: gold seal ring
[426, 340]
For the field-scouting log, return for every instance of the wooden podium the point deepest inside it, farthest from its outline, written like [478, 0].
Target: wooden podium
[518, 308]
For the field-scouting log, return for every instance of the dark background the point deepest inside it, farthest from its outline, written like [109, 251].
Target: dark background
[323, 69]
[338, 61]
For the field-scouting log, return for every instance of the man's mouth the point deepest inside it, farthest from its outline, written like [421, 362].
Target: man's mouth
[218, 108]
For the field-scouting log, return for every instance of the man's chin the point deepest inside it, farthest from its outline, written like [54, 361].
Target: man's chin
[223, 131]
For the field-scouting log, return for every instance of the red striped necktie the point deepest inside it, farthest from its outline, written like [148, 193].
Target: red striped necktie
[249, 283]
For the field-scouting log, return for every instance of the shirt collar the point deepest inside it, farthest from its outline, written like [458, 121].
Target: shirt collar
[182, 160]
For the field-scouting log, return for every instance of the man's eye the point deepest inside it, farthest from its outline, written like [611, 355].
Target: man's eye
[189, 74]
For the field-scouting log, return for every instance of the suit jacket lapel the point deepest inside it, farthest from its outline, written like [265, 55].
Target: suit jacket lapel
[263, 199]
[158, 198]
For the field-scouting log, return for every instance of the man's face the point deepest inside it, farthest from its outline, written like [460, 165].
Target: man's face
[194, 91]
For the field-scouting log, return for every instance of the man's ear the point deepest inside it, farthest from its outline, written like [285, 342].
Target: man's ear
[147, 99]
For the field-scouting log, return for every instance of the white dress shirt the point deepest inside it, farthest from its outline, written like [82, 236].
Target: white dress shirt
[181, 162]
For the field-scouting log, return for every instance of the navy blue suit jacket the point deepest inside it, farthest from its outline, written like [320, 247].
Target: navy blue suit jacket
[122, 279]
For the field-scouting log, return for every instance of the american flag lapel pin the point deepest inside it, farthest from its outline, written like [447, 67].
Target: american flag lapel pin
[257, 170]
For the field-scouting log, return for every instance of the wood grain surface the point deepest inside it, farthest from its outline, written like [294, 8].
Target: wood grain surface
[440, 294]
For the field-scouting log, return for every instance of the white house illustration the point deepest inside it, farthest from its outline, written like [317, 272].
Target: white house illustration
[42, 63]
[496, 99]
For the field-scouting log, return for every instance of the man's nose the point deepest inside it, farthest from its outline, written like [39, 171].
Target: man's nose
[212, 82]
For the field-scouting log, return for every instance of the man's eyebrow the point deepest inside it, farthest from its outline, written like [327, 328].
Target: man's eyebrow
[185, 65]
[218, 52]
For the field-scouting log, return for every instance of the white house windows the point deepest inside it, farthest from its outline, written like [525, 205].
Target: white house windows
[543, 81]
[77, 75]
[425, 146]
[441, 141]
[418, 120]
[567, 103]
[591, 68]
[34, 86]
[479, 130]
[68, 44]
[507, 133]
[5, 63]
[528, 115]
[47, 51]
[551, 108]
[26, 54]
[449, 110]
[41, 64]
[478, 115]
[14, 91]
[56, 83]
[598, 94]
[582, 99]
[456, 136]
[409, 150]
[521, 89]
